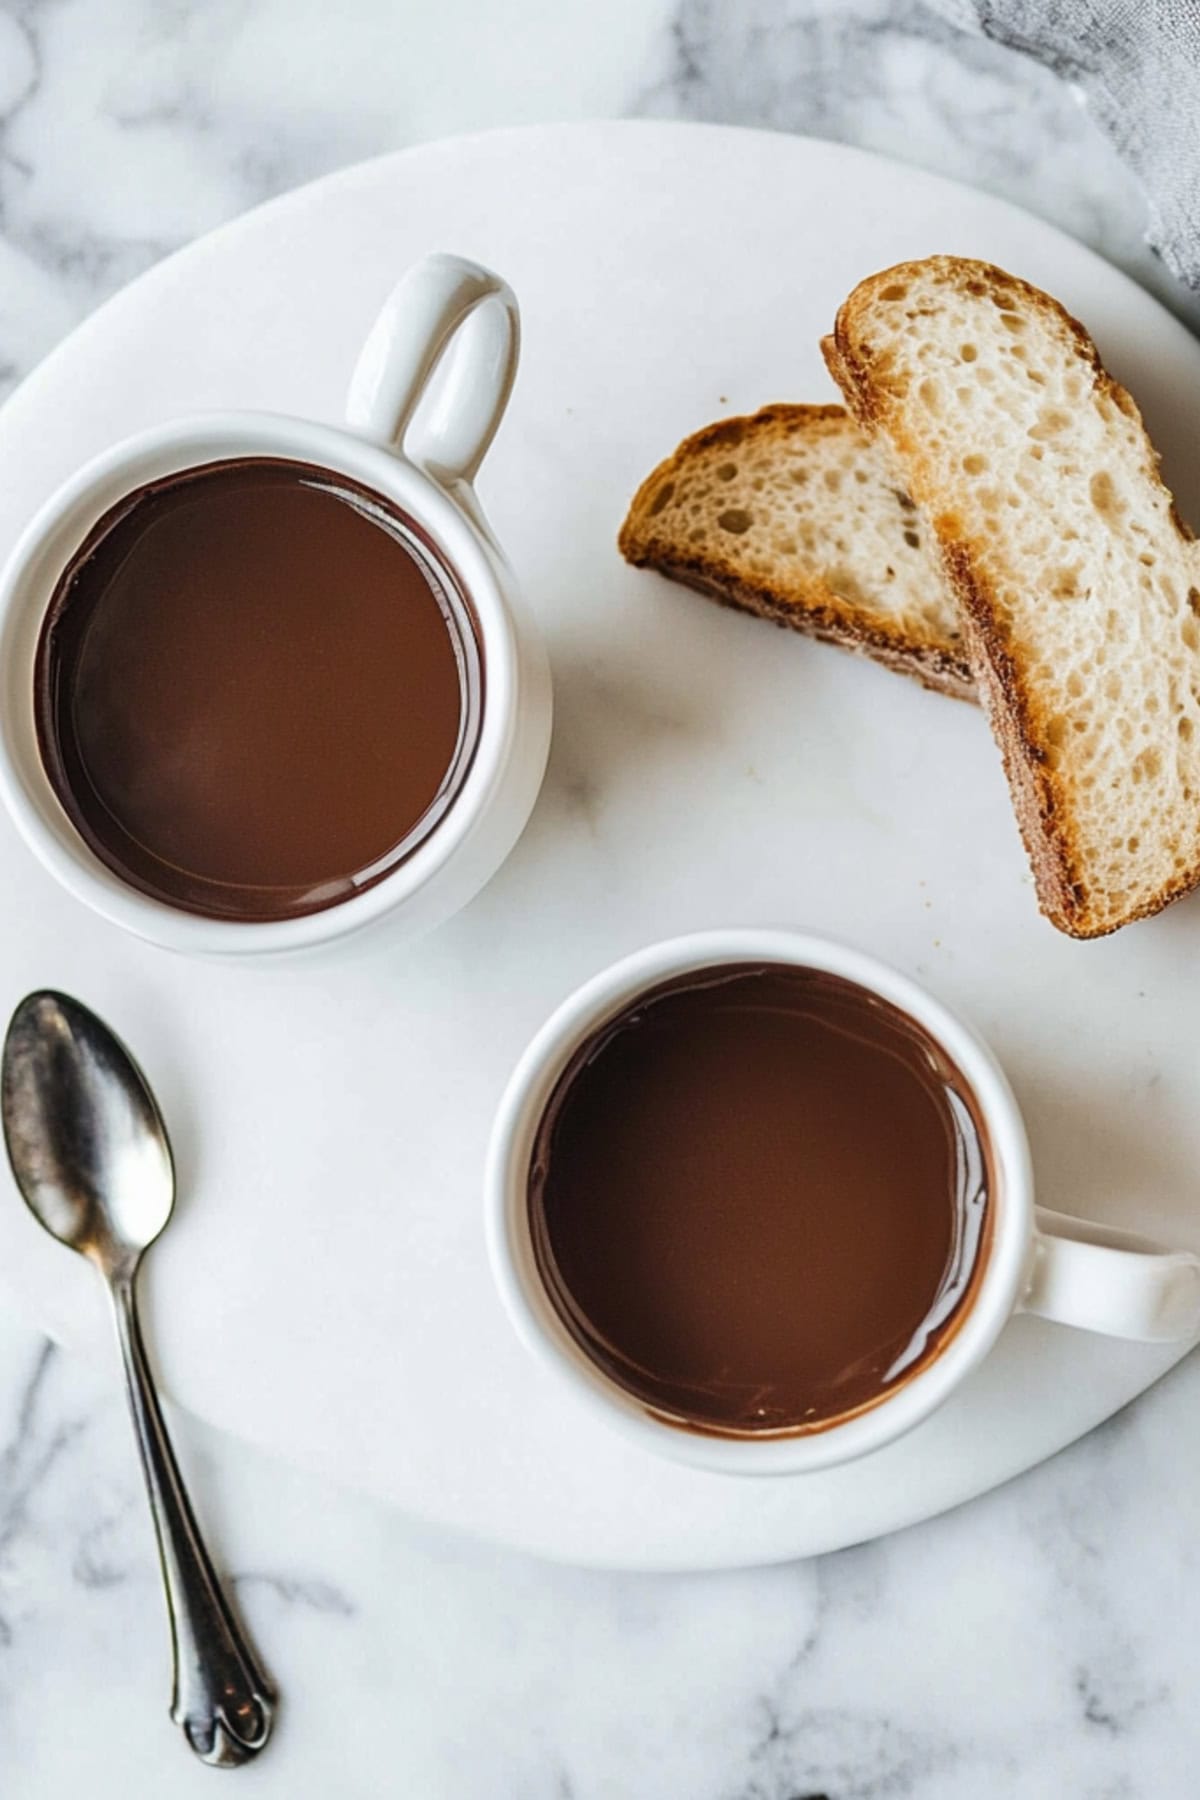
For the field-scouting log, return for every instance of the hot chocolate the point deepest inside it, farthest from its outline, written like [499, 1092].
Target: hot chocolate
[759, 1199]
[257, 689]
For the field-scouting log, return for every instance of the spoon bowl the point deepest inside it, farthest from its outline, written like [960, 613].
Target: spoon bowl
[85, 1138]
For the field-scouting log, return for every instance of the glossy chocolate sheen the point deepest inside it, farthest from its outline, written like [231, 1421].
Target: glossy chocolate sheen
[257, 689]
[758, 1199]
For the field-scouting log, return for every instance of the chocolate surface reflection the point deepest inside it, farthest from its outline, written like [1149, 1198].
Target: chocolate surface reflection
[257, 689]
[758, 1199]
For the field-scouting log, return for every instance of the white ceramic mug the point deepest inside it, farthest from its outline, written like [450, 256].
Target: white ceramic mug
[443, 305]
[1041, 1262]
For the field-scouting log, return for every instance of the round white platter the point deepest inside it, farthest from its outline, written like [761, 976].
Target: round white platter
[323, 1289]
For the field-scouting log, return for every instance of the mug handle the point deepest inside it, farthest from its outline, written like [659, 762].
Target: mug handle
[423, 318]
[1111, 1281]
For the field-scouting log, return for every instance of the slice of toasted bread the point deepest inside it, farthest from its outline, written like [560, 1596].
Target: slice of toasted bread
[796, 515]
[1079, 586]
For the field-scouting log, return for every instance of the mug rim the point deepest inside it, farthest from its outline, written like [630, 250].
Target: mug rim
[192, 441]
[537, 1322]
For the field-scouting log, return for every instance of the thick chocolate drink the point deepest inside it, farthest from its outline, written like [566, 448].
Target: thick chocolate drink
[258, 689]
[759, 1199]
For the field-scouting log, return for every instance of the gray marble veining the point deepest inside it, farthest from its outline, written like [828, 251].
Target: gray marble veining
[1036, 1645]
[897, 77]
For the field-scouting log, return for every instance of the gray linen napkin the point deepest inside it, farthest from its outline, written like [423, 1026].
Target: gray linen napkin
[1136, 63]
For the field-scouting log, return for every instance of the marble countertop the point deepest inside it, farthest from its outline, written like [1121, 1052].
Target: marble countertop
[1037, 1643]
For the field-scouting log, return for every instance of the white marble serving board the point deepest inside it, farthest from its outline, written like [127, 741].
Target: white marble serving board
[323, 1289]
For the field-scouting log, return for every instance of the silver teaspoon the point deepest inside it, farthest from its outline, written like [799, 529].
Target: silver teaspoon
[91, 1157]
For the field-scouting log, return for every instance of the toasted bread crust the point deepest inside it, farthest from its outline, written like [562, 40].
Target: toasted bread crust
[1016, 713]
[807, 604]
[826, 617]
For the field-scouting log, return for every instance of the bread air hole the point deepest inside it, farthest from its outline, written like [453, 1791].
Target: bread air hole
[663, 498]
[1052, 420]
[1185, 728]
[895, 290]
[1189, 631]
[843, 582]
[1103, 493]
[1013, 322]
[735, 519]
[912, 540]
[967, 353]
[727, 471]
[1147, 765]
[975, 464]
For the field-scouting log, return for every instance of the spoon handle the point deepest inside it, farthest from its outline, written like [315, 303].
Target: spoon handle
[221, 1698]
